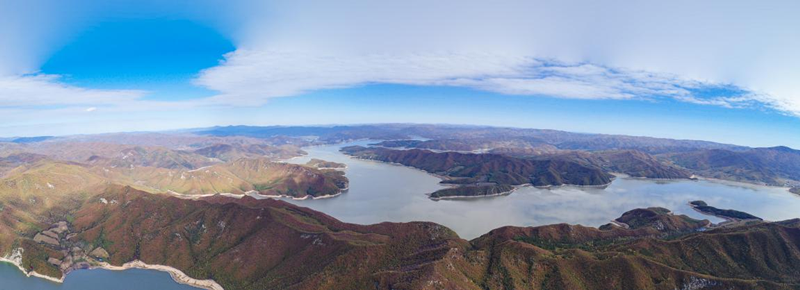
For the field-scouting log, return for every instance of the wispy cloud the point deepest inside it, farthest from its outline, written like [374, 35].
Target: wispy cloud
[45, 90]
[253, 77]
[612, 50]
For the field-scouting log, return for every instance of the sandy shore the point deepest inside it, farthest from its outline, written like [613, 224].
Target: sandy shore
[176, 274]
[262, 196]
[201, 196]
[251, 193]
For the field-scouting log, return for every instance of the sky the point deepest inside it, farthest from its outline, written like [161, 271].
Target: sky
[716, 70]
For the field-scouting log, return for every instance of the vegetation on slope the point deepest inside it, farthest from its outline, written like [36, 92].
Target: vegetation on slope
[702, 207]
[261, 244]
[270, 244]
[472, 191]
[658, 250]
[631, 162]
[493, 168]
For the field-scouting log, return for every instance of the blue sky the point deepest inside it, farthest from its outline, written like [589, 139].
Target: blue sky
[161, 56]
[130, 66]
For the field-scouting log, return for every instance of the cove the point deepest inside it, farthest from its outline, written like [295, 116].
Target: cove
[382, 192]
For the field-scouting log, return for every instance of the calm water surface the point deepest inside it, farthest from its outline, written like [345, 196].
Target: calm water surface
[12, 278]
[385, 192]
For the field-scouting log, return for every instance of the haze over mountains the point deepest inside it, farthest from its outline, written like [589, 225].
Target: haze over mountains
[636, 156]
[171, 161]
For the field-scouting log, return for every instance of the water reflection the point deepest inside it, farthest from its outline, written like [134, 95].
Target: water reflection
[384, 192]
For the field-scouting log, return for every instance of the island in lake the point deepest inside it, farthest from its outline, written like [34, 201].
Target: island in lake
[469, 191]
[730, 215]
[471, 170]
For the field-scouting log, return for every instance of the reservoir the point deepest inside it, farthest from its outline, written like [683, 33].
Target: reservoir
[386, 192]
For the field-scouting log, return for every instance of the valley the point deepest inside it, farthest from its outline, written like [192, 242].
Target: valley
[399, 145]
[317, 204]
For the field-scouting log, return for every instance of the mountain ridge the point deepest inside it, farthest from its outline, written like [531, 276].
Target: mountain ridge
[267, 244]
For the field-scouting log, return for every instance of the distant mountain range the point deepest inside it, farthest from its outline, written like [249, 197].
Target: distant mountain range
[455, 137]
[771, 166]
[635, 156]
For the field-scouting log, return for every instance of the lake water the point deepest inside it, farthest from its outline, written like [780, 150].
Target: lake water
[12, 278]
[384, 192]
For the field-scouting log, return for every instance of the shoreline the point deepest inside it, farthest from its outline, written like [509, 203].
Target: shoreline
[251, 193]
[456, 197]
[623, 175]
[15, 258]
[602, 186]
[726, 220]
[440, 177]
[178, 276]
[616, 174]
[444, 177]
[257, 195]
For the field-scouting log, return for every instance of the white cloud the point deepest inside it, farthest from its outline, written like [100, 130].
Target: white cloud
[252, 77]
[569, 49]
[45, 90]
[605, 50]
